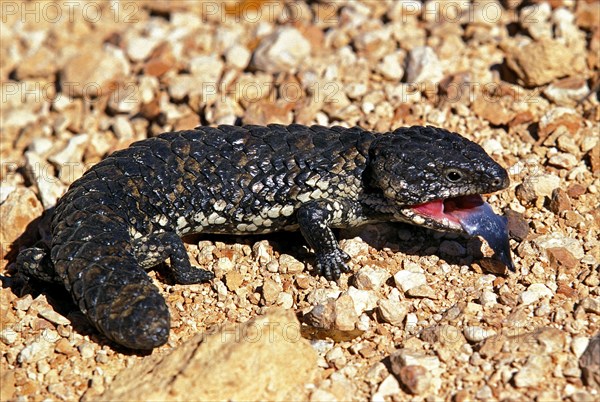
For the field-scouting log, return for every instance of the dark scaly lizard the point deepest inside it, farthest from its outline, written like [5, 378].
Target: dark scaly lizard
[127, 213]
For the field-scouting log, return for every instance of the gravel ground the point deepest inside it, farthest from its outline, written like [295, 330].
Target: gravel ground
[423, 316]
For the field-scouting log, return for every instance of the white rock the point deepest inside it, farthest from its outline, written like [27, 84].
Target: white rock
[37, 350]
[591, 305]
[589, 142]
[364, 300]
[367, 107]
[86, 350]
[99, 68]
[372, 41]
[409, 357]
[5, 190]
[393, 311]
[554, 115]
[24, 303]
[579, 344]
[282, 51]
[122, 128]
[322, 346]
[492, 146]
[206, 69]
[70, 159]
[407, 280]
[18, 118]
[184, 20]
[29, 99]
[8, 336]
[484, 393]
[224, 264]
[566, 96]
[40, 145]
[411, 322]
[355, 90]
[147, 88]
[566, 27]
[42, 174]
[290, 264]
[534, 293]
[363, 323]
[554, 239]
[562, 160]
[377, 397]
[411, 266]
[534, 186]
[336, 357]
[395, 294]
[475, 333]
[227, 35]
[321, 395]
[221, 290]
[183, 85]
[533, 373]
[139, 48]
[371, 278]
[321, 296]
[238, 56]
[73, 152]
[544, 184]
[543, 309]
[54, 317]
[273, 266]
[62, 103]
[538, 27]
[285, 300]
[390, 67]
[389, 386]
[125, 99]
[567, 143]
[354, 247]
[488, 298]
[50, 335]
[262, 252]
[423, 65]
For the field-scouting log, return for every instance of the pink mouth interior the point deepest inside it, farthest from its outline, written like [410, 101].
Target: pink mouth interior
[452, 209]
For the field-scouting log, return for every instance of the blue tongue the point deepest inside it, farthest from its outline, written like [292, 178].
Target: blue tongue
[482, 221]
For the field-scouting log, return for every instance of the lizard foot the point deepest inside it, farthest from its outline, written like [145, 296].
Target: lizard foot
[331, 265]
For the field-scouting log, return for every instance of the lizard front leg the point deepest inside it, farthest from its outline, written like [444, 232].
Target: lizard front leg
[316, 218]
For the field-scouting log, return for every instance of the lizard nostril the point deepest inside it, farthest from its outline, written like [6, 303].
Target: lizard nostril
[499, 182]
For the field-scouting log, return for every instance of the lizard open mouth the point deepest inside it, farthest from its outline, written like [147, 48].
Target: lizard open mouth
[475, 217]
[451, 209]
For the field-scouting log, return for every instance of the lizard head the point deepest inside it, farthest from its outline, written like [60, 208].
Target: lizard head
[435, 178]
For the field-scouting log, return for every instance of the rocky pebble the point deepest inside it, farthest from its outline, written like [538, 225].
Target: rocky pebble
[421, 315]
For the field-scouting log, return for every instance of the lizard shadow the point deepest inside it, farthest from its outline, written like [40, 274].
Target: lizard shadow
[418, 241]
[397, 237]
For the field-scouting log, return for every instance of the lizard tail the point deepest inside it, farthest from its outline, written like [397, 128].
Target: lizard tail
[99, 269]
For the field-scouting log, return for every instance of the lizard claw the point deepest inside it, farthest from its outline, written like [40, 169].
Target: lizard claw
[332, 265]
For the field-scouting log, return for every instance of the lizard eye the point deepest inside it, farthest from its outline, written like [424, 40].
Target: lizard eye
[453, 175]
